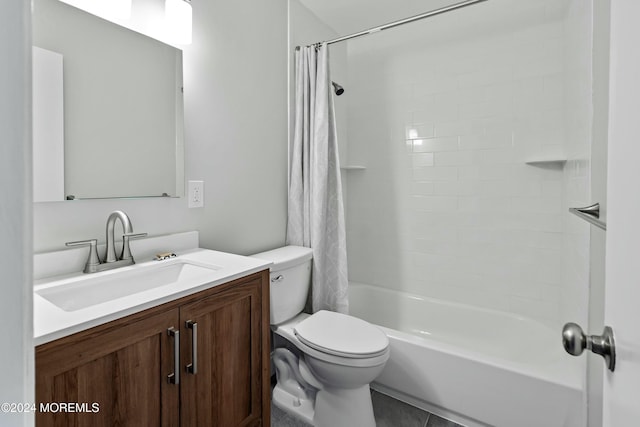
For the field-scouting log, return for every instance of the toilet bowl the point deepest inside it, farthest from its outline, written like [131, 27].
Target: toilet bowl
[324, 370]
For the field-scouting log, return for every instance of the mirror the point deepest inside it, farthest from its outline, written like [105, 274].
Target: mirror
[122, 107]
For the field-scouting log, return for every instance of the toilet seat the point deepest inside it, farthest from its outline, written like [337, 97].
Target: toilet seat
[341, 335]
[361, 362]
[287, 331]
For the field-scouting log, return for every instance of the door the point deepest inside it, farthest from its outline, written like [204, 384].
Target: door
[621, 389]
[621, 394]
[114, 377]
[612, 396]
[222, 384]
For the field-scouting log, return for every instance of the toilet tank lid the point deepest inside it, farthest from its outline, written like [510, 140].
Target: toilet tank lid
[286, 256]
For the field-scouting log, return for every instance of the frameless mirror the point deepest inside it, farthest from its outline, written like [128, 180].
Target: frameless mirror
[122, 107]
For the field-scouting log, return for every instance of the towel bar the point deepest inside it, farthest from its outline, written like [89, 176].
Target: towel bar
[590, 214]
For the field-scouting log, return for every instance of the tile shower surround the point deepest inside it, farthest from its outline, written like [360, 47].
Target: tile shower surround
[447, 207]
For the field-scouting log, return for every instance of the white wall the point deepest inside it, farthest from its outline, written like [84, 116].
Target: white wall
[235, 139]
[445, 114]
[236, 122]
[16, 346]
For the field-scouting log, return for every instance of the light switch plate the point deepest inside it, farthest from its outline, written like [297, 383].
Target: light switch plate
[196, 194]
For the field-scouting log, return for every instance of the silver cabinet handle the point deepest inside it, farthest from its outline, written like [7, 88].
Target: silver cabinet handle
[174, 377]
[192, 367]
[278, 278]
[575, 342]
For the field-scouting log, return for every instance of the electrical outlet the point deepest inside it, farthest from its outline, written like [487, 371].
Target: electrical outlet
[196, 194]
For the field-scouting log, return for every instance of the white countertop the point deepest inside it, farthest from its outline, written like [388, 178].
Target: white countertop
[52, 322]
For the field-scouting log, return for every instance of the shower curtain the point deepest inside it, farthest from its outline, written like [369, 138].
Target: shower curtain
[315, 210]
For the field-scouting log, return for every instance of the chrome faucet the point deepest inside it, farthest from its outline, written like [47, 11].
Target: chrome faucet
[111, 261]
[127, 229]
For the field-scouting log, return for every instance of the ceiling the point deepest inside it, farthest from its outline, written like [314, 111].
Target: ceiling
[350, 16]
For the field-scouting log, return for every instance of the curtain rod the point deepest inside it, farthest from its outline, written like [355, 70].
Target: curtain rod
[401, 22]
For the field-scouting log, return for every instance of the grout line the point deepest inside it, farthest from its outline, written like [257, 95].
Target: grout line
[427, 420]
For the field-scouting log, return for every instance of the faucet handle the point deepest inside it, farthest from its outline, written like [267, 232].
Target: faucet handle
[126, 251]
[134, 235]
[93, 261]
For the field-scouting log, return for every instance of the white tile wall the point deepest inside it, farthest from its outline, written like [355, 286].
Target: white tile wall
[577, 185]
[447, 208]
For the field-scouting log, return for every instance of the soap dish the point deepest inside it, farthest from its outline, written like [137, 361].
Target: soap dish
[164, 255]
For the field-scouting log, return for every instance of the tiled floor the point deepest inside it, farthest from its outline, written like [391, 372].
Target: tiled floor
[388, 412]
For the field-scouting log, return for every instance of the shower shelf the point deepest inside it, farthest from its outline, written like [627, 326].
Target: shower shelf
[546, 162]
[353, 167]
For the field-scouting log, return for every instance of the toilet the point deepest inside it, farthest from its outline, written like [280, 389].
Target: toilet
[324, 362]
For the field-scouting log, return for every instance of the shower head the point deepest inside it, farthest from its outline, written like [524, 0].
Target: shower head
[339, 90]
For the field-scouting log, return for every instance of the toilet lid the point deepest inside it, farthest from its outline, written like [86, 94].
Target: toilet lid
[341, 335]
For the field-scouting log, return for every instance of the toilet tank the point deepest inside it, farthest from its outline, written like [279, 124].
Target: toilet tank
[290, 279]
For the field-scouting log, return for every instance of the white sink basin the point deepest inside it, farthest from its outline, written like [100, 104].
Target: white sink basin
[89, 290]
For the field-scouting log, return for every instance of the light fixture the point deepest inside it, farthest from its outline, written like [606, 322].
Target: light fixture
[110, 9]
[178, 16]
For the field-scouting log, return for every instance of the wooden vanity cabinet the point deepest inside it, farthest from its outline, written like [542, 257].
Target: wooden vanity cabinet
[124, 365]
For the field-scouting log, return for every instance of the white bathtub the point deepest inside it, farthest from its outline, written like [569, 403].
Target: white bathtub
[474, 366]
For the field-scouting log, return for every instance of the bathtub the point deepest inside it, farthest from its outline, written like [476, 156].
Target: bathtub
[473, 366]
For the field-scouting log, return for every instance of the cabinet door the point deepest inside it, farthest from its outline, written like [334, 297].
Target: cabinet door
[123, 367]
[226, 389]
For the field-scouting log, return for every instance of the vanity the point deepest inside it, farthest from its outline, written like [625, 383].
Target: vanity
[182, 341]
[177, 342]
